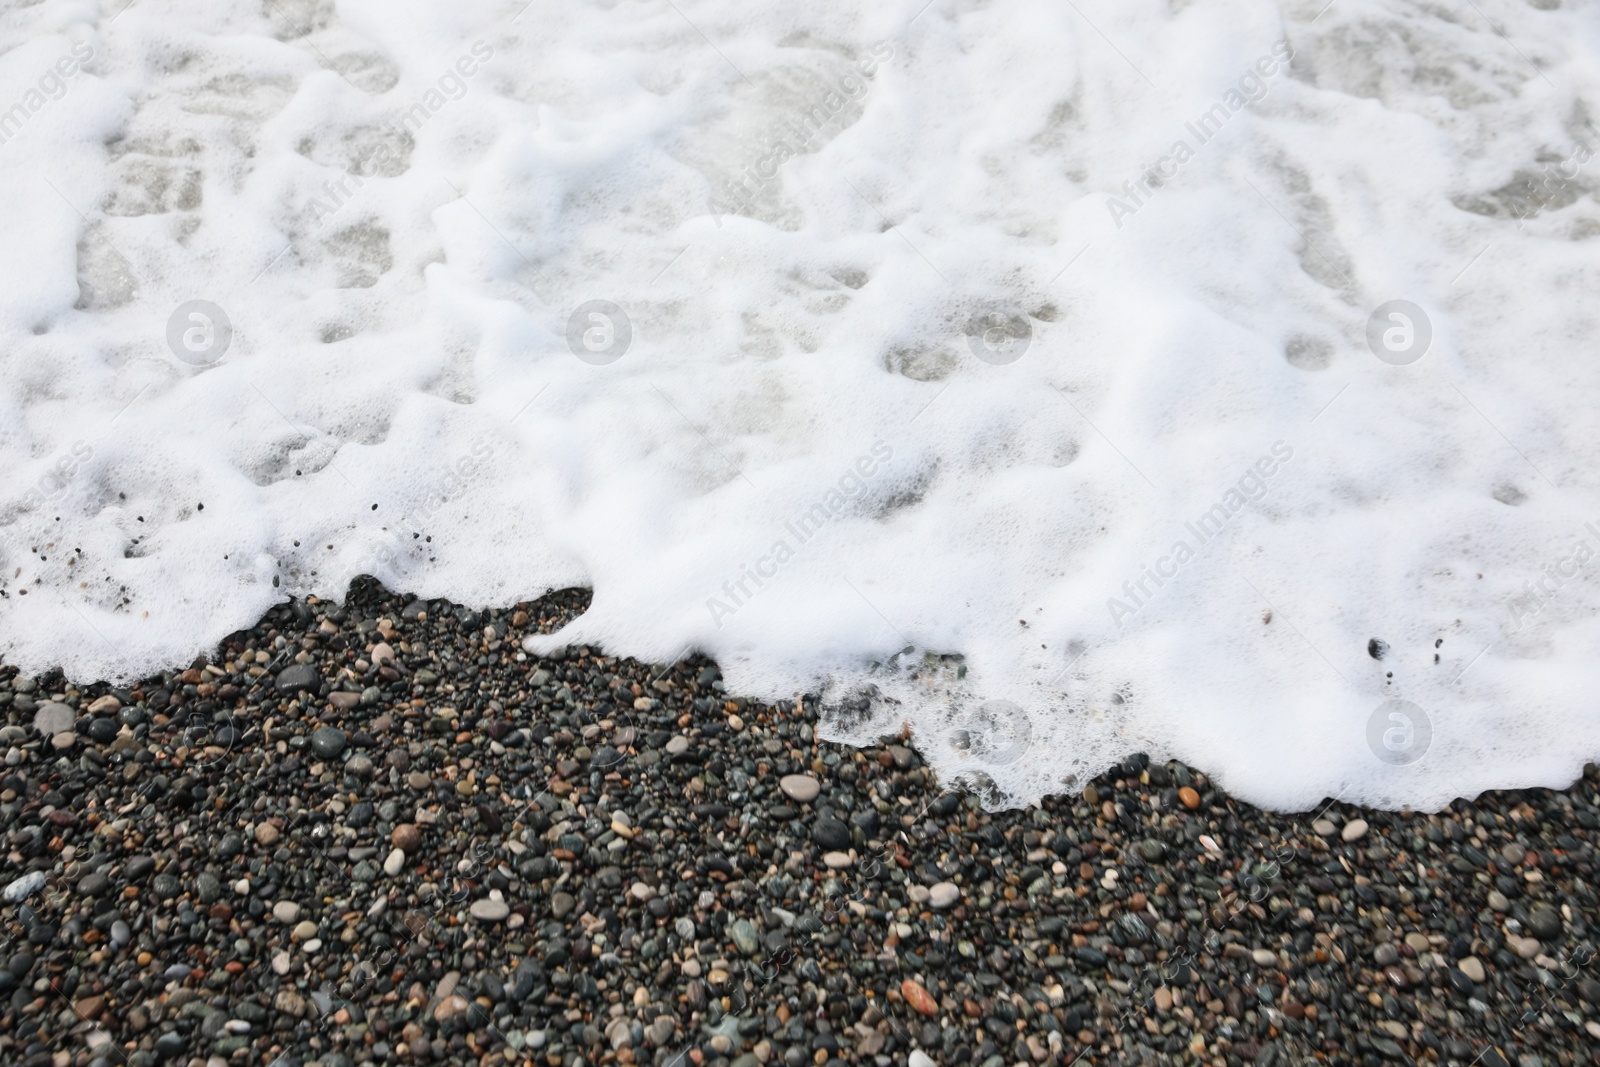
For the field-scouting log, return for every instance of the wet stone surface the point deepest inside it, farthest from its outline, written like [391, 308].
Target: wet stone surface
[427, 846]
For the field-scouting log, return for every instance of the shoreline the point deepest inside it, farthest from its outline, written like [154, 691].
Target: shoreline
[450, 854]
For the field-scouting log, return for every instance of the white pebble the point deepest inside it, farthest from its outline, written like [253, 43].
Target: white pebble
[25, 887]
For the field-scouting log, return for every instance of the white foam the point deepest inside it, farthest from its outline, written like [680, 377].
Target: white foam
[400, 205]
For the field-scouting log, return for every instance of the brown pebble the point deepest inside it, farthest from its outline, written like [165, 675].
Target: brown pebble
[406, 837]
[919, 998]
[1190, 797]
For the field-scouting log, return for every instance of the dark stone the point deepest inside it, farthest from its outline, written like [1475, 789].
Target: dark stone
[1545, 922]
[328, 741]
[831, 834]
[298, 676]
[171, 1044]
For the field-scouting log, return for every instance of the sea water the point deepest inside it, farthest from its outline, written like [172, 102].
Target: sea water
[1048, 381]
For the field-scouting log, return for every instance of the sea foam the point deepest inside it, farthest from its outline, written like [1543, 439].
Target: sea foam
[1053, 382]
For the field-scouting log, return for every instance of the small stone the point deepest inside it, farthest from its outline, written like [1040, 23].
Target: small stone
[836, 861]
[267, 834]
[943, 895]
[450, 1007]
[280, 963]
[406, 837]
[1324, 827]
[1497, 901]
[1190, 797]
[1386, 955]
[831, 834]
[919, 1058]
[286, 911]
[800, 788]
[1526, 947]
[743, 933]
[918, 997]
[63, 741]
[23, 888]
[490, 910]
[298, 676]
[395, 862]
[304, 930]
[328, 741]
[678, 745]
[208, 887]
[1264, 957]
[1163, 998]
[1472, 967]
[1354, 830]
[52, 719]
[561, 904]
[1544, 922]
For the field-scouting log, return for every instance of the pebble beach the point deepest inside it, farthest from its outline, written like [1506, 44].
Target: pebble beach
[379, 832]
